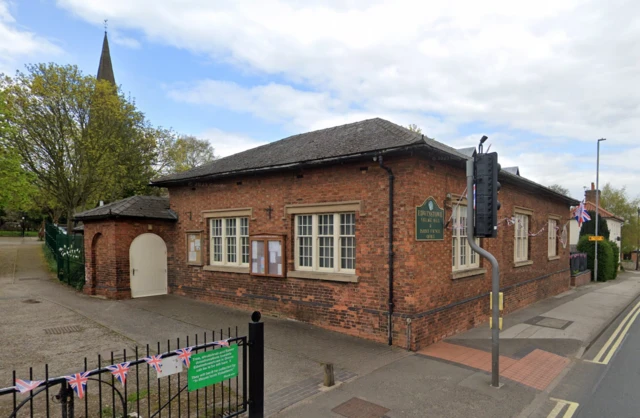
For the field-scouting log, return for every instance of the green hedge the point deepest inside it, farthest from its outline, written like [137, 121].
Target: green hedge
[606, 261]
[616, 258]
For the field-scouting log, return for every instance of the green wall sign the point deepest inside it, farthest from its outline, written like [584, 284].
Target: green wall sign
[211, 367]
[429, 221]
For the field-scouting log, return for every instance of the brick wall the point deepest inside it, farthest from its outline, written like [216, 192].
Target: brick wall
[425, 291]
[107, 245]
[355, 308]
[442, 305]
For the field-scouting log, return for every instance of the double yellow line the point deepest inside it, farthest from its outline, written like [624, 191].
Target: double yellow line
[608, 350]
[572, 407]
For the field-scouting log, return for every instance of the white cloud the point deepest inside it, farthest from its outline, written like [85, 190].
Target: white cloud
[273, 102]
[120, 39]
[562, 70]
[228, 143]
[17, 43]
[556, 68]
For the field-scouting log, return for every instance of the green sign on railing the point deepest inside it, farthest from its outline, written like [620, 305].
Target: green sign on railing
[211, 367]
[429, 221]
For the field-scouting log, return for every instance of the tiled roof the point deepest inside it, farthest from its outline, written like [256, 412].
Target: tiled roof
[149, 207]
[354, 140]
[335, 143]
[512, 170]
[469, 151]
[601, 211]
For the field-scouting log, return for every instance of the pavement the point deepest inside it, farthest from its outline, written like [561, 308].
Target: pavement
[539, 346]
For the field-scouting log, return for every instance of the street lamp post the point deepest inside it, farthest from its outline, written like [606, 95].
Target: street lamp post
[595, 264]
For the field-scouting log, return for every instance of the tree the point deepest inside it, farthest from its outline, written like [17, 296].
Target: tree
[559, 189]
[17, 184]
[618, 202]
[414, 128]
[180, 153]
[78, 137]
[589, 227]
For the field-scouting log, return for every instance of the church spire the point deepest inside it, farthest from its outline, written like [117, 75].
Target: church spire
[105, 70]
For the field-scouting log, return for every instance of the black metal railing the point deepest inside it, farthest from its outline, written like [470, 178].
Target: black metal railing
[145, 394]
[578, 262]
[68, 251]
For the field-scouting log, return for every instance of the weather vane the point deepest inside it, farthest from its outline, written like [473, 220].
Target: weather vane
[105, 24]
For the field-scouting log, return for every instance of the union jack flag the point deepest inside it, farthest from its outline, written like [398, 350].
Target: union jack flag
[78, 382]
[185, 355]
[24, 386]
[120, 371]
[155, 362]
[223, 343]
[581, 214]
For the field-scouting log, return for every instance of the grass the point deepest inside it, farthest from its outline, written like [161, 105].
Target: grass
[50, 259]
[18, 233]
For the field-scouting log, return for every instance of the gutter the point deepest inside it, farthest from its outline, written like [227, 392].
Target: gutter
[390, 301]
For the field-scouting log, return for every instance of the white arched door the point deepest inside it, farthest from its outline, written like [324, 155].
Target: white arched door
[148, 266]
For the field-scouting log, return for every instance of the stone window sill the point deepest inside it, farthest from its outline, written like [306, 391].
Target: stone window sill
[316, 275]
[227, 269]
[460, 274]
[523, 263]
[555, 257]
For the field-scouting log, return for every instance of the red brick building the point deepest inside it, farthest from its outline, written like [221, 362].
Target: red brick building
[322, 227]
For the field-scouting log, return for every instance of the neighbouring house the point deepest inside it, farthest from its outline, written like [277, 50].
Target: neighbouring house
[357, 228]
[614, 223]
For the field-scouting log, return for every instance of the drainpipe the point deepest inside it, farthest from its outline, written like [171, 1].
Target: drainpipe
[390, 326]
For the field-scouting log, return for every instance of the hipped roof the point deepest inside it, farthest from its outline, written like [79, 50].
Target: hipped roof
[341, 143]
[147, 207]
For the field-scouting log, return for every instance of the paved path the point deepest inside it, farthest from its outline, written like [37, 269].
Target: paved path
[371, 376]
[294, 351]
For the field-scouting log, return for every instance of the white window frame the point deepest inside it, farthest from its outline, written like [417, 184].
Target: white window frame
[521, 237]
[458, 235]
[552, 250]
[239, 242]
[315, 244]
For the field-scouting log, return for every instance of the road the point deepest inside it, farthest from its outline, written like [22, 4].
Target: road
[616, 392]
[605, 381]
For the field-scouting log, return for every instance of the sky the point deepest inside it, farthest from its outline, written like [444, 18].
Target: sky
[543, 80]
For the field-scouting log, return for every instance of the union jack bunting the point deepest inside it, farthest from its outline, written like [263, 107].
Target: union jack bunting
[120, 371]
[223, 343]
[78, 383]
[24, 386]
[185, 355]
[155, 362]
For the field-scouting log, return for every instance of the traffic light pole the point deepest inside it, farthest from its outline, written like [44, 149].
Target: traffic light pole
[495, 281]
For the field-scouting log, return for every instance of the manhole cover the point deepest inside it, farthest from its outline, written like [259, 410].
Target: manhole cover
[359, 408]
[543, 321]
[553, 323]
[30, 301]
[63, 330]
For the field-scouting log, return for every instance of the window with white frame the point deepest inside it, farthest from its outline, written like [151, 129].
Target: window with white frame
[326, 242]
[553, 238]
[521, 227]
[229, 241]
[463, 257]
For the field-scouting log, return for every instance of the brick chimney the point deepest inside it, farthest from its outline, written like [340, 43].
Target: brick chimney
[590, 195]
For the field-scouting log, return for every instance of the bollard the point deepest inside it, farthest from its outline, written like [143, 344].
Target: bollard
[256, 366]
[329, 378]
